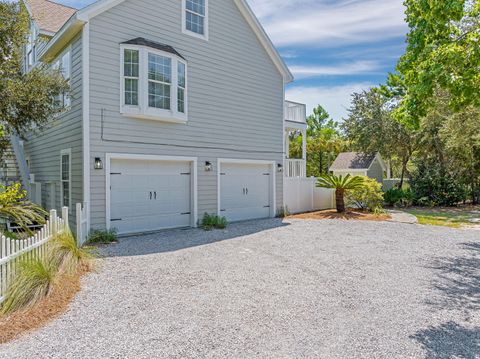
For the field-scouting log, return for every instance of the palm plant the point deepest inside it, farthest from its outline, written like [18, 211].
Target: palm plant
[14, 207]
[341, 185]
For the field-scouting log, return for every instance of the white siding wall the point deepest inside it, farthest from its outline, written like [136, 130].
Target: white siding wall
[235, 95]
[43, 148]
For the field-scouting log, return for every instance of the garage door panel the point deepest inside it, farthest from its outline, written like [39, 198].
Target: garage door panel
[245, 191]
[150, 195]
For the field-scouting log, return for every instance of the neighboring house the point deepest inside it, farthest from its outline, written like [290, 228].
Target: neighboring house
[360, 164]
[176, 108]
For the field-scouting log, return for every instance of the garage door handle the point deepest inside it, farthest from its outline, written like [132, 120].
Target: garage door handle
[246, 189]
[155, 194]
[150, 195]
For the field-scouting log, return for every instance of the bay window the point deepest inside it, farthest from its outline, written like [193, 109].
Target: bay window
[154, 84]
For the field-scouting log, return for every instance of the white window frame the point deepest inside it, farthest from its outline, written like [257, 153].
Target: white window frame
[64, 152]
[143, 110]
[66, 100]
[204, 36]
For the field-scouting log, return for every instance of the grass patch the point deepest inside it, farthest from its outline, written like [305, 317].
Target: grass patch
[456, 217]
[68, 257]
[103, 237]
[210, 222]
[32, 283]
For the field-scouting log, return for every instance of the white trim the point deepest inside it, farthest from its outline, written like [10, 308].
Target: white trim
[128, 156]
[205, 36]
[86, 118]
[143, 111]
[67, 151]
[273, 181]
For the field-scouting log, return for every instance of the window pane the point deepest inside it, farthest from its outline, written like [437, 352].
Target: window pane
[195, 23]
[131, 92]
[159, 68]
[197, 6]
[181, 100]
[158, 95]
[65, 167]
[66, 194]
[181, 75]
[130, 63]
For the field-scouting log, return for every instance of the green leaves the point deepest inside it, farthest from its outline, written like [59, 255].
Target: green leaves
[347, 182]
[442, 52]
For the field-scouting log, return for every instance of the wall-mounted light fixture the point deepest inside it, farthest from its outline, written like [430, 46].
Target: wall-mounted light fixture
[208, 166]
[98, 163]
[279, 167]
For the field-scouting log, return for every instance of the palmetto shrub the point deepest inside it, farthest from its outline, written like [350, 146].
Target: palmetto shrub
[341, 185]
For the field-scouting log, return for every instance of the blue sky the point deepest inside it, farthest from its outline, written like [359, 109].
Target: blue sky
[333, 47]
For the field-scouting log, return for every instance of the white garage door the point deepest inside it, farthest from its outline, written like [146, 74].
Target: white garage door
[245, 191]
[149, 195]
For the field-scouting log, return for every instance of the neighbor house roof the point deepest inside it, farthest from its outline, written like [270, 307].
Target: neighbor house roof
[353, 161]
[48, 15]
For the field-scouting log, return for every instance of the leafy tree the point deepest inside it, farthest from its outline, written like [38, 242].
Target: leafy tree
[370, 128]
[26, 100]
[341, 185]
[324, 142]
[442, 52]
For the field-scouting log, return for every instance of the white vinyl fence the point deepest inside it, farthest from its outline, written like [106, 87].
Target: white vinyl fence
[82, 224]
[301, 195]
[11, 250]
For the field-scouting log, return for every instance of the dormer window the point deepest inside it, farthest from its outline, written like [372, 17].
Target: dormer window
[195, 18]
[154, 81]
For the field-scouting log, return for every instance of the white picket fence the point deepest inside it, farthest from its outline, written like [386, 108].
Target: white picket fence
[82, 223]
[302, 195]
[12, 250]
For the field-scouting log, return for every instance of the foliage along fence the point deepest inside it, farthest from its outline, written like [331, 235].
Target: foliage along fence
[13, 250]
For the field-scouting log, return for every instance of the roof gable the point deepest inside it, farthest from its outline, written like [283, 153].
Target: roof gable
[48, 15]
[353, 161]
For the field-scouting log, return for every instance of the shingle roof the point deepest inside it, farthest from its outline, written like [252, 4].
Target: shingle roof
[353, 160]
[49, 15]
[153, 44]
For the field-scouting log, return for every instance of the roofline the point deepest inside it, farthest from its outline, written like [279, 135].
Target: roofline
[86, 14]
[380, 160]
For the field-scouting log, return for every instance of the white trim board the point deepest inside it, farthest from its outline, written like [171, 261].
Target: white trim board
[86, 119]
[126, 156]
[273, 184]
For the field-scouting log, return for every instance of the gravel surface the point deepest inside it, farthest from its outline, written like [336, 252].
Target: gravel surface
[267, 289]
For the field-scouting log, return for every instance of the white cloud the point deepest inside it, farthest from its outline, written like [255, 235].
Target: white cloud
[324, 24]
[341, 69]
[335, 99]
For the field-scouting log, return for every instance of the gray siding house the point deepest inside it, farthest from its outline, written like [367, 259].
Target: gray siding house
[176, 108]
[360, 164]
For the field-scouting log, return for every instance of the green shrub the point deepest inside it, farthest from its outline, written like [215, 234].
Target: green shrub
[434, 186]
[210, 222]
[103, 237]
[369, 196]
[32, 283]
[66, 255]
[398, 197]
[283, 212]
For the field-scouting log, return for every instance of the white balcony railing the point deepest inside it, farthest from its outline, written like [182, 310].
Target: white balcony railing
[295, 168]
[295, 112]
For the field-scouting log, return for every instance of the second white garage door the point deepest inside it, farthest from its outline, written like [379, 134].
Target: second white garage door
[245, 191]
[149, 195]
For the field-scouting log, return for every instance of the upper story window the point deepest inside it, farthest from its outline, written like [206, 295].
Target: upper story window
[195, 18]
[154, 82]
[63, 63]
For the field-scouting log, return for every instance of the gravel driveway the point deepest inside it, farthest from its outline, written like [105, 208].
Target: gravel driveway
[267, 289]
